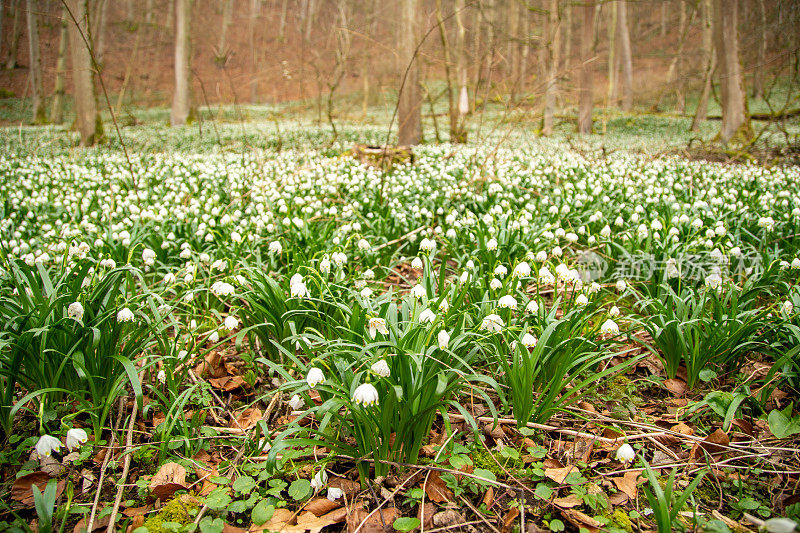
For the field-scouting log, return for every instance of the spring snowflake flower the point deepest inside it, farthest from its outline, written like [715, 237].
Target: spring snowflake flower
[416, 263]
[76, 437]
[671, 269]
[339, 258]
[377, 325]
[47, 444]
[557, 251]
[365, 394]
[495, 284]
[161, 376]
[522, 270]
[625, 453]
[541, 256]
[231, 323]
[491, 245]
[325, 265]
[366, 292]
[213, 337]
[768, 223]
[363, 244]
[319, 481]
[369, 274]
[275, 247]
[443, 339]
[780, 525]
[581, 300]
[528, 340]
[605, 232]
[236, 237]
[492, 323]
[427, 316]
[532, 307]
[507, 302]
[381, 368]
[221, 288]
[788, 307]
[614, 312]
[334, 494]
[296, 402]
[418, 291]
[125, 315]
[75, 310]
[314, 377]
[427, 245]
[148, 256]
[795, 263]
[500, 271]
[621, 285]
[546, 277]
[713, 281]
[169, 278]
[609, 327]
[299, 290]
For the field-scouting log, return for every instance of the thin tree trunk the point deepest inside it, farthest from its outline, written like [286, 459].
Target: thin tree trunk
[733, 97]
[611, 94]
[2, 21]
[222, 52]
[524, 49]
[410, 104]
[35, 60]
[491, 45]
[282, 25]
[673, 72]
[181, 101]
[708, 65]
[758, 75]
[148, 12]
[587, 44]
[567, 36]
[87, 117]
[370, 26]
[553, 47]
[626, 56]
[460, 134]
[100, 21]
[16, 34]
[131, 12]
[251, 33]
[57, 110]
[664, 5]
[452, 110]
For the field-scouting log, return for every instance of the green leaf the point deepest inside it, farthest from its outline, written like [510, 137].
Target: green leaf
[218, 499]
[485, 474]
[406, 523]
[211, 525]
[300, 489]
[707, 375]
[556, 525]
[781, 423]
[262, 512]
[244, 484]
[543, 491]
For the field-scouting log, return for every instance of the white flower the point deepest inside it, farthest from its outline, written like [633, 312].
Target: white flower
[299, 290]
[319, 481]
[325, 265]
[365, 394]
[363, 244]
[416, 263]
[315, 377]
[377, 325]
[427, 245]
[161, 376]
[334, 493]
[609, 327]
[76, 437]
[213, 337]
[148, 256]
[236, 237]
[491, 245]
[369, 274]
[296, 402]
[532, 307]
[500, 271]
[169, 278]
[557, 251]
[492, 323]
[444, 306]
[528, 340]
[546, 277]
[788, 307]
[231, 323]
[795, 263]
[418, 291]
[581, 300]
[522, 270]
[125, 315]
[713, 281]
[427, 316]
[366, 292]
[780, 525]
[444, 339]
[275, 247]
[495, 284]
[221, 288]
[75, 310]
[613, 312]
[381, 368]
[46, 445]
[625, 453]
[541, 256]
[621, 285]
[507, 302]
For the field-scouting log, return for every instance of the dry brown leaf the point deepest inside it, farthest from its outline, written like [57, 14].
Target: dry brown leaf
[283, 520]
[137, 511]
[568, 502]
[211, 366]
[247, 418]
[716, 442]
[349, 487]
[137, 522]
[675, 386]
[488, 498]
[171, 477]
[425, 515]
[374, 524]
[22, 491]
[627, 483]
[618, 498]
[508, 520]
[560, 474]
[321, 506]
[582, 520]
[436, 489]
[448, 518]
[228, 383]
[97, 525]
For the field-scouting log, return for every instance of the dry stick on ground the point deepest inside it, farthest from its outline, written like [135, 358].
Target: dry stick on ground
[407, 235]
[125, 468]
[106, 459]
[425, 484]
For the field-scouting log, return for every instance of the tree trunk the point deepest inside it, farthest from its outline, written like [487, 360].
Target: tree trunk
[758, 75]
[587, 43]
[16, 34]
[460, 133]
[251, 33]
[452, 110]
[98, 32]
[611, 94]
[57, 111]
[410, 104]
[148, 12]
[567, 36]
[87, 117]
[35, 60]
[733, 98]
[626, 56]
[182, 99]
[708, 65]
[282, 25]
[664, 17]
[131, 12]
[553, 49]
[222, 51]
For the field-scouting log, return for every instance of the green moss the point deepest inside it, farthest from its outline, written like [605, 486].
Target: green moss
[482, 458]
[621, 520]
[176, 512]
